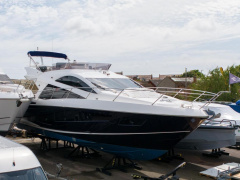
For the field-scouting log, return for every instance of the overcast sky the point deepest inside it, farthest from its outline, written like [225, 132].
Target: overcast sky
[135, 36]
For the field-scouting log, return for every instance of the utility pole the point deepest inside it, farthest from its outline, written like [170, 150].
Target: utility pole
[185, 77]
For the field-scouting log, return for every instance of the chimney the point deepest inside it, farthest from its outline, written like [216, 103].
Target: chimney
[194, 79]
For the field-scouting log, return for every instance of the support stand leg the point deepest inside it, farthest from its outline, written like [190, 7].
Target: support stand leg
[119, 163]
[43, 145]
[216, 153]
[235, 147]
[169, 156]
[84, 152]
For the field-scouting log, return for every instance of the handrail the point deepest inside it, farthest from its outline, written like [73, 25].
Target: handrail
[198, 97]
[214, 98]
[89, 93]
[177, 93]
[118, 95]
[7, 88]
[191, 94]
[223, 121]
[158, 99]
[187, 93]
[69, 93]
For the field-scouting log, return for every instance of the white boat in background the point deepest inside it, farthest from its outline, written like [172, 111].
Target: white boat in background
[221, 130]
[226, 115]
[210, 135]
[14, 101]
[236, 108]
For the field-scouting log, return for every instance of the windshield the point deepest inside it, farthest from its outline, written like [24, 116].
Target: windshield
[27, 174]
[114, 83]
[4, 79]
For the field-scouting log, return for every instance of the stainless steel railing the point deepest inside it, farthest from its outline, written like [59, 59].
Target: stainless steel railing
[226, 122]
[178, 93]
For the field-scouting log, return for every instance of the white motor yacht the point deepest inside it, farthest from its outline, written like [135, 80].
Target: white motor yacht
[14, 101]
[87, 104]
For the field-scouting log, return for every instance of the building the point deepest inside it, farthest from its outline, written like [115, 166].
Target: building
[176, 82]
[141, 77]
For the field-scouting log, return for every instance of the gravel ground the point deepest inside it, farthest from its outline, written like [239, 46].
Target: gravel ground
[75, 168]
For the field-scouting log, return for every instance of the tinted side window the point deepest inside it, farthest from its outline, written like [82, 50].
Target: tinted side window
[47, 92]
[75, 82]
[131, 122]
[54, 92]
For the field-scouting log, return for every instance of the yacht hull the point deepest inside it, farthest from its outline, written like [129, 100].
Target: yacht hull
[236, 108]
[8, 112]
[237, 132]
[111, 129]
[211, 137]
[123, 151]
[22, 110]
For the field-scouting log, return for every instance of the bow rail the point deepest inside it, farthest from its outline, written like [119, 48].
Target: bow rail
[190, 95]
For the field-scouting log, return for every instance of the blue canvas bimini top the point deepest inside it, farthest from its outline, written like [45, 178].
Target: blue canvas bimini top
[47, 54]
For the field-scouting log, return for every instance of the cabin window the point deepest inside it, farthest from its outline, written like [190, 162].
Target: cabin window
[75, 82]
[131, 122]
[4, 79]
[54, 92]
[114, 83]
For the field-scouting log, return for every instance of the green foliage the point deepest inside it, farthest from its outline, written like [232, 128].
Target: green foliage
[215, 81]
[193, 73]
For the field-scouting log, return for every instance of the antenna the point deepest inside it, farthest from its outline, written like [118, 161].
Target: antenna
[185, 77]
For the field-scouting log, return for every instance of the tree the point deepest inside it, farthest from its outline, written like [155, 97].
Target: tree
[216, 81]
[193, 73]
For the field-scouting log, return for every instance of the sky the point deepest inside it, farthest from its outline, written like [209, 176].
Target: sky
[135, 36]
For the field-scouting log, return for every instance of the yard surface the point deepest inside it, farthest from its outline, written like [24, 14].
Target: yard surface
[78, 168]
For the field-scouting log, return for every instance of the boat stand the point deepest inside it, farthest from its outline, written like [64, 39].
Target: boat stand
[47, 146]
[237, 147]
[216, 153]
[166, 176]
[84, 152]
[119, 163]
[169, 156]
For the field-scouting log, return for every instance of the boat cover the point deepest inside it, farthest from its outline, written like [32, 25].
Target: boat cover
[47, 54]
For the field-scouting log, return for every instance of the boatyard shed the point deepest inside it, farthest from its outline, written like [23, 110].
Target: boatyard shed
[155, 82]
[141, 77]
[176, 82]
